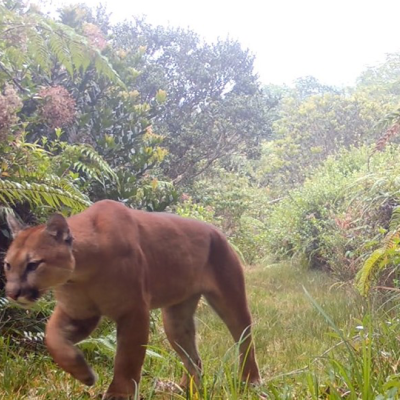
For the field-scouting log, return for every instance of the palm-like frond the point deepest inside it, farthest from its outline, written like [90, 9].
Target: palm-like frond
[90, 162]
[44, 181]
[377, 261]
[389, 119]
[45, 193]
[395, 219]
[369, 270]
[44, 39]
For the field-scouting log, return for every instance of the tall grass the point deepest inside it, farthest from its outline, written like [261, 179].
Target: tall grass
[314, 339]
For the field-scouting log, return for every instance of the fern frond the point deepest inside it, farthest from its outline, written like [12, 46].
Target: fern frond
[61, 51]
[395, 219]
[81, 54]
[84, 158]
[388, 120]
[38, 194]
[104, 67]
[368, 272]
[13, 56]
[66, 186]
[77, 51]
[38, 50]
[46, 38]
[377, 261]
[102, 166]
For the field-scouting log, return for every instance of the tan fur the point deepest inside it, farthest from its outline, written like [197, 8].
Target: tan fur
[121, 264]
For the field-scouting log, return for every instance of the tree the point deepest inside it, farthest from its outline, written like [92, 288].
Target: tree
[117, 122]
[309, 86]
[311, 129]
[67, 82]
[382, 81]
[214, 104]
[42, 174]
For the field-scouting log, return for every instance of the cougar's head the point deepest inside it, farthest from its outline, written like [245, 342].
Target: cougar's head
[38, 259]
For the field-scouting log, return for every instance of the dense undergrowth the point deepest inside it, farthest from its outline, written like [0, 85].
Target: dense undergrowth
[340, 214]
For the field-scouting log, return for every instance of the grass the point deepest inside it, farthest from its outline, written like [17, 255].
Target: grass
[314, 339]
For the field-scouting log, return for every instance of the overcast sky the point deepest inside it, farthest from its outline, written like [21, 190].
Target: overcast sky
[331, 40]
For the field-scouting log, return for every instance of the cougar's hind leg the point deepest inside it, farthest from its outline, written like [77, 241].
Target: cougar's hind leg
[228, 299]
[61, 334]
[180, 329]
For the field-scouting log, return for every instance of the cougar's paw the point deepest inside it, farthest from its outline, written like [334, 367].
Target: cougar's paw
[256, 383]
[118, 396]
[90, 378]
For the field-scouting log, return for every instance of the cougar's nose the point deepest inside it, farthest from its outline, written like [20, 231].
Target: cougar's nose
[13, 291]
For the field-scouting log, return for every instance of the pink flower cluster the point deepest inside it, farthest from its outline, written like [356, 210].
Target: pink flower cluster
[58, 108]
[95, 36]
[10, 103]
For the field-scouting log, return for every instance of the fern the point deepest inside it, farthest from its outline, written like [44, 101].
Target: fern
[368, 272]
[60, 49]
[39, 51]
[45, 39]
[389, 120]
[85, 159]
[29, 173]
[376, 262]
[395, 219]
[381, 257]
[37, 194]
[77, 52]
[102, 167]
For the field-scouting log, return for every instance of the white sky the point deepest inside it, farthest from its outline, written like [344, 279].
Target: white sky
[333, 41]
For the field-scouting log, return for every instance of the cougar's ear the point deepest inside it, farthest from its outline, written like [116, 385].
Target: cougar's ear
[14, 225]
[57, 226]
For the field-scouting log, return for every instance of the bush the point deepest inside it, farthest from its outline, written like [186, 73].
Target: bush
[229, 201]
[338, 216]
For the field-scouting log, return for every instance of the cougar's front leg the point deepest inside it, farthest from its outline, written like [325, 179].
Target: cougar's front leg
[61, 334]
[132, 337]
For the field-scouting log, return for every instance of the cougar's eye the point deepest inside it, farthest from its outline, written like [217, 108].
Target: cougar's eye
[7, 266]
[32, 266]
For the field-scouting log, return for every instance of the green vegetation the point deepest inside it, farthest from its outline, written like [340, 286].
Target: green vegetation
[305, 176]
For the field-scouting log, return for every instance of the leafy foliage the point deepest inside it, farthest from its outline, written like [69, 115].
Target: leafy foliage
[310, 130]
[106, 127]
[339, 214]
[385, 256]
[382, 80]
[232, 202]
[214, 106]
[30, 40]
[55, 177]
[52, 194]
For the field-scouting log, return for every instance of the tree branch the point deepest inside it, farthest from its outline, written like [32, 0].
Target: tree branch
[16, 83]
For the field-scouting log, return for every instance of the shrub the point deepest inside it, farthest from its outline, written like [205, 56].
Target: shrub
[10, 104]
[335, 218]
[229, 201]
